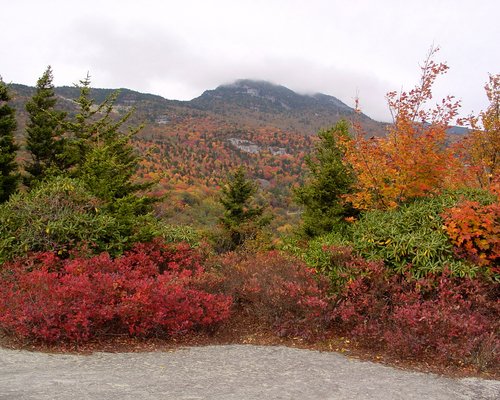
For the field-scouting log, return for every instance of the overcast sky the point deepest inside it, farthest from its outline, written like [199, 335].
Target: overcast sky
[178, 49]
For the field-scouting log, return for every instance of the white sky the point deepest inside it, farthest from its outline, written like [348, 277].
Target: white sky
[178, 49]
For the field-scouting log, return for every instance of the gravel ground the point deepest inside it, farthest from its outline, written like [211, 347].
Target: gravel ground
[239, 372]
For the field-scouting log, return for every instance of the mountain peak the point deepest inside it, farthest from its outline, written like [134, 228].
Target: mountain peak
[252, 83]
[267, 97]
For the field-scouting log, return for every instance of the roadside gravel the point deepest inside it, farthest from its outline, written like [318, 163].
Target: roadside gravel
[239, 372]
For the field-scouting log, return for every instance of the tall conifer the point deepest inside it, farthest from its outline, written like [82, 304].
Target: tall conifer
[328, 180]
[102, 155]
[44, 132]
[242, 216]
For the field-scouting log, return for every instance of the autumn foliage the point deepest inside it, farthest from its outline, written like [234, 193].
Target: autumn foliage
[152, 290]
[279, 290]
[483, 143]
[454, 320]
[413, 159]
[474, 230]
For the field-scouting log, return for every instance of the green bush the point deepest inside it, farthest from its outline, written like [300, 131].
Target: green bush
[413, 236]
[179, 233]
[320, 254]
[61, 215]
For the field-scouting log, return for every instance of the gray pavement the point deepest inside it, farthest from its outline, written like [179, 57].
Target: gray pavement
[239, 372]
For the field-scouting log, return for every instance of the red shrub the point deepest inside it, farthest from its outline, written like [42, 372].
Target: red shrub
[279, 290]
[153, 289]
[451, 319]
[475, 232]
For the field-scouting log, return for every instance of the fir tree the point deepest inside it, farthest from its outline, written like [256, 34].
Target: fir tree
[9, 178]
[100, 152]
[81, 126]
[242, 216]
[44, 132]
[329, 179]
[99, 149]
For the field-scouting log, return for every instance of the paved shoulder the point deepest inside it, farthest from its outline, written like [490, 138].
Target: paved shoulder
[222, 372]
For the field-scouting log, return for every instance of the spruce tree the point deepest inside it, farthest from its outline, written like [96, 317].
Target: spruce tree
[81, 126]
[100, 152]
[44, 138]
[242, 216]
[328, 180]
[9, 178]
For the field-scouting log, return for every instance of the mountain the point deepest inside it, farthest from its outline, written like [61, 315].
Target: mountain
[246, 103]
[262, 103]
[268, 98]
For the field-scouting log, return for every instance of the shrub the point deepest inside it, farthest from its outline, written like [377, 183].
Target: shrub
[452, 319]
[411, 235]
[326, 255]
[278, 290]
[153, 289]
[474, 230]
[179, 233]
[60, 215]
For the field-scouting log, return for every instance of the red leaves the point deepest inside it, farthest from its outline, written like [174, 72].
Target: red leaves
[279, 290]
[153, 289]
[452, 319]
[164, 290]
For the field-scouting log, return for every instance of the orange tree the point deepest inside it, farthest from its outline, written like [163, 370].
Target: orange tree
[412, 160]
[483, 142]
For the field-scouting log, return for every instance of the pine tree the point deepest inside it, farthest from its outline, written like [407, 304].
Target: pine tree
[242, 216]
[329, 179]
[44, 132]
[9, 178]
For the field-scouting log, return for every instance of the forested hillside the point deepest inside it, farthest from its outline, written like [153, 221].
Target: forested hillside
[191, 147]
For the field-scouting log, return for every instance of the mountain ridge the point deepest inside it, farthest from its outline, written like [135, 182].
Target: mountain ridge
[245, 102]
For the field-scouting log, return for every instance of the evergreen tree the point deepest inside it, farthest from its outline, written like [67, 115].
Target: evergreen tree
[100, 151]
[100, 154]
[9, 178]
[81, 127]
[329, 179]
[44, 132]
[242, 216]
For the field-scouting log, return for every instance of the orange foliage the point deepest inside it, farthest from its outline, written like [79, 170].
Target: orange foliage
[483, 144]
[413, 159]
[475, 231]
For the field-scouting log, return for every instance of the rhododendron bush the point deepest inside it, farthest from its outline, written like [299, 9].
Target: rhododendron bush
[152, 290]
